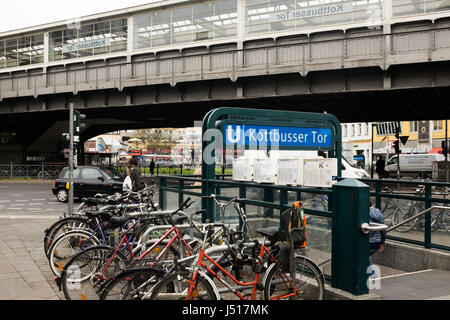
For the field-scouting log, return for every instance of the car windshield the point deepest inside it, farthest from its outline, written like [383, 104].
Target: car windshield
[349, 163]
[111, 174]
[393, 160]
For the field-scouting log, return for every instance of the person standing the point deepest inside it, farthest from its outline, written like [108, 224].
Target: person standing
[134, 173]
[380, 167]
[376, 238]
[152, 167]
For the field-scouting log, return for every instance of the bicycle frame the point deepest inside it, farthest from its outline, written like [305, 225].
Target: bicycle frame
[177, 236]
[201, 264]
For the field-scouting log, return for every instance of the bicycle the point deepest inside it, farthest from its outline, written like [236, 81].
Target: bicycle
[100, 263]
[320, 204]
[48, 174]
[388, 206]
[116, 205]
[439, 218]
[277, 284]
[131, 283]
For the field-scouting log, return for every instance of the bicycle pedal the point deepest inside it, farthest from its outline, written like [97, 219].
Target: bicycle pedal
[259, 287]
[58, 283]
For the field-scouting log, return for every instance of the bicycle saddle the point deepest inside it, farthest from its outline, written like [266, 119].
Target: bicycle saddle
[117, 222]
[178, 219]
[268, 232]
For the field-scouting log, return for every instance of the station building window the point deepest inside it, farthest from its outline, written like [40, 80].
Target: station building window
[205, 21]
[21, 51]
[278, 15]
[89, 40]
[409, 7]
[437, 125]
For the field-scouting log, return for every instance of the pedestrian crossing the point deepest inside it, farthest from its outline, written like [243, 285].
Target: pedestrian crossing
[32, 205]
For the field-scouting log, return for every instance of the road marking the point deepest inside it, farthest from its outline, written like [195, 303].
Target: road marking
[21, 200]
[404, 274]
[28, 217]
[5, 201]
[17, 205]
[38, 199]
[36, 204]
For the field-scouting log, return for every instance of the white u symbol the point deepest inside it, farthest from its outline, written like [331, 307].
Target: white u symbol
[237, 136]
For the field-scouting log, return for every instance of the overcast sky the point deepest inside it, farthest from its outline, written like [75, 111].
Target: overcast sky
[17, 14]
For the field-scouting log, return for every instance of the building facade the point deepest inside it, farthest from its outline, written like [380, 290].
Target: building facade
[422, 137]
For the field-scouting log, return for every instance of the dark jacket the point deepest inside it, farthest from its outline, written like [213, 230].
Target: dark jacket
[135, 176]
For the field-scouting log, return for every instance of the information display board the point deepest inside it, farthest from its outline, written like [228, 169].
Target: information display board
[290, 172]
[264, 171]
[321, 173]
[243, 169]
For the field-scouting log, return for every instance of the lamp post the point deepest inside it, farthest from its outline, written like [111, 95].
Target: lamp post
[446, 152]
[371, 158]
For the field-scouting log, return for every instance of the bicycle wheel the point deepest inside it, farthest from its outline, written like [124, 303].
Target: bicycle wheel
[176, 287]
[241, 269]
[435, 221]
[388, 207]
[132, 284]
[63, 226]
[43, 175]
[80, 278]
[308, 282]
[316, 204]
[403, 213]
[445, 220]
[63, 248]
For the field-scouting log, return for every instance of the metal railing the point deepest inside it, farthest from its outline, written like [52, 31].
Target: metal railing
[263, 204]
[37, 172]
[413, 218]
[415, 197]
[370, 48]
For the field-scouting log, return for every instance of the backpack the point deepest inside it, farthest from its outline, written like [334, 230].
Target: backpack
[293, 223]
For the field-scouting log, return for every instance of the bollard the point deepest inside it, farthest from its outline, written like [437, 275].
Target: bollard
[350, 247]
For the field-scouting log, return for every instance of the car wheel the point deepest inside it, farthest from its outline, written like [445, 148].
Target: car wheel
[62, 196]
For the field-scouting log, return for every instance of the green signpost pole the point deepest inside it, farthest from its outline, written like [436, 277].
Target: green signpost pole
[350, 246]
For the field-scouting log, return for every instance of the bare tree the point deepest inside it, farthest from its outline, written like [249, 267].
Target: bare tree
[155, 140]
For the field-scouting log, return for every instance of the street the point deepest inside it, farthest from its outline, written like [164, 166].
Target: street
[26, 210]
[24, 199]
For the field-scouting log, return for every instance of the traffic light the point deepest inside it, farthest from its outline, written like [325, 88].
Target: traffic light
[65, 141]
[397, 133]
[444, 147]
[77, 124]
[397, 146]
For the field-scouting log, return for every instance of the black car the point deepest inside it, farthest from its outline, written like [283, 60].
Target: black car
[88, 181]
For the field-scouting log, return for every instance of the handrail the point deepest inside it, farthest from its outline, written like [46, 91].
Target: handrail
[418, 215]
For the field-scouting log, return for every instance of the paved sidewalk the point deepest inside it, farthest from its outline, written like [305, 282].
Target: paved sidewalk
[24, 270]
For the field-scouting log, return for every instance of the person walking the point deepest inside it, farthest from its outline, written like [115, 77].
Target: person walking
[152, 167]
[377, 238]
[380, 167]
[134, 173]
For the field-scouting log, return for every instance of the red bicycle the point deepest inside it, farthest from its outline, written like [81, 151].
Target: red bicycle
[302, 281]
[88, 271]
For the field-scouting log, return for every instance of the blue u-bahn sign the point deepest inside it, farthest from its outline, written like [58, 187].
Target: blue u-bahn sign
[273, 136]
